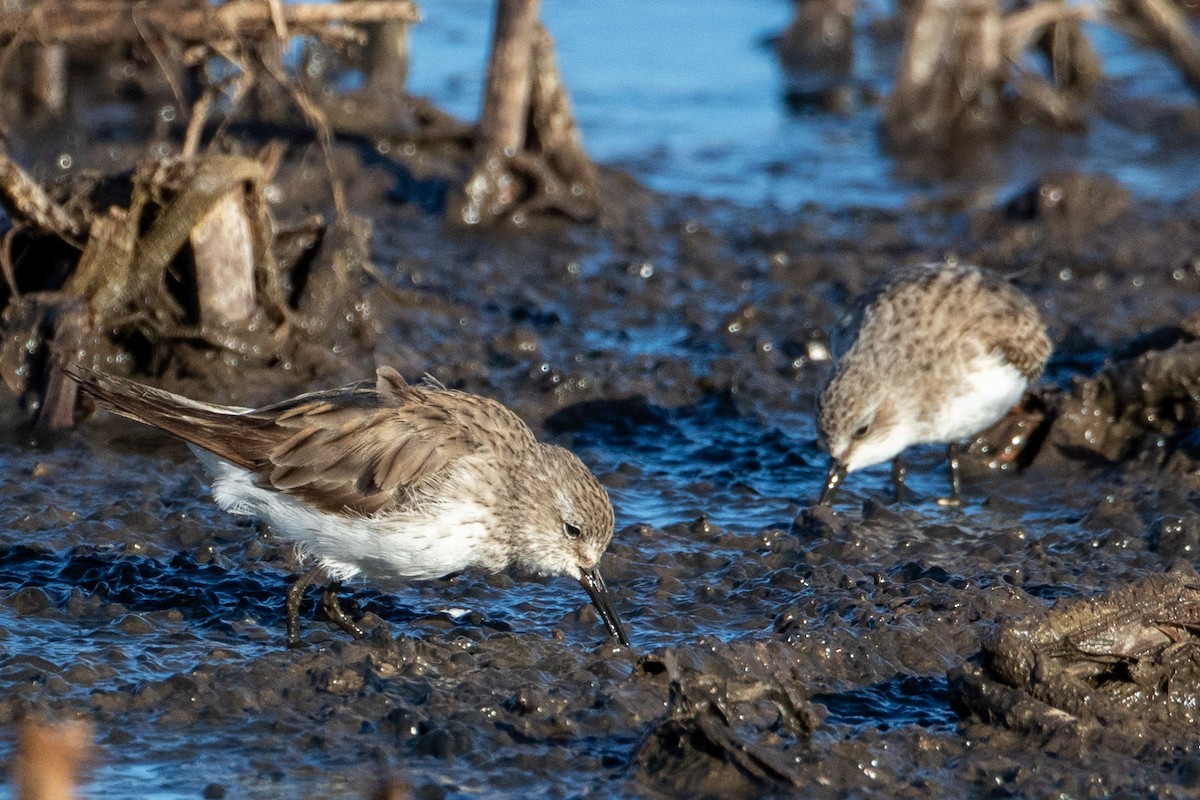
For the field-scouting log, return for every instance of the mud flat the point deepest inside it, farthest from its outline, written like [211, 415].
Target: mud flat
[1038, 641]
[677, 349]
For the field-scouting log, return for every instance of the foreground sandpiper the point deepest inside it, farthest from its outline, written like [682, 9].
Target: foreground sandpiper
[929, 354]
[390, 481]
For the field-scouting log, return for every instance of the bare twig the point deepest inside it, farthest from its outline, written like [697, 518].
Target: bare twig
[1169, 29]
[1021, 28]
[122, 21]
[195, 128]
[6, 263]
[277, 20]
[155, 45]
[25, 200]
[320, 124]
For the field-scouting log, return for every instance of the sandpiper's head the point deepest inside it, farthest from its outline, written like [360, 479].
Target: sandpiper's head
[861, 420]
[567, 525]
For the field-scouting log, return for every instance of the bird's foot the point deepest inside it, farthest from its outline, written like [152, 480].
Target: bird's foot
[336, 614]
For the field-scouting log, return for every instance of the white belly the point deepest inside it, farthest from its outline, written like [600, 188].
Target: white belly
[985, 394]
[442, 538]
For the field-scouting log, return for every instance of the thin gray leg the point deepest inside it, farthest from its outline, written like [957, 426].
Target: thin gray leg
[955, 480]
[295, 594]
[899, 489]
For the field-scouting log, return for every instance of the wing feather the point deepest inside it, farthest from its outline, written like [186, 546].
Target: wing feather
[362, 448]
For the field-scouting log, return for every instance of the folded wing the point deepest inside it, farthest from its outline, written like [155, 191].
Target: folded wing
[363, 448]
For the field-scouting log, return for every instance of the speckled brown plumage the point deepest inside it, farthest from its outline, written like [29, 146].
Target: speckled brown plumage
[929, 354]
[965, 305]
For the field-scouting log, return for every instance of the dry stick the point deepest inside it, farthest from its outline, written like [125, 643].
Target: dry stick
[25, 200]
[316, 118]
[119, 21]
[241, 82]
[506, 95]
[1167, 26]
[6, 262]
[1021, 28]
[164, 64]
[407, 298]
[277, 20]
[557, 134]
[195, 127]
[223, 255]
[951, 68]
[386, 56]
[48, 84]
[69, 322]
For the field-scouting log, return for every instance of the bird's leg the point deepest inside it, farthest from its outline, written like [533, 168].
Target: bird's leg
[899, 489]
[295, 594]
[955, 479]
[333, 610]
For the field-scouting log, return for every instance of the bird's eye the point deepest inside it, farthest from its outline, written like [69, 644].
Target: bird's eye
[861, 431]
[572, 531]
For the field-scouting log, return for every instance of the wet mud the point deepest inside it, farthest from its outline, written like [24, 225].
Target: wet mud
[678, 349]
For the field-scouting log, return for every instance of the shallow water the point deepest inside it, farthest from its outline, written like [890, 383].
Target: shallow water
[688, 96]
[125, 594]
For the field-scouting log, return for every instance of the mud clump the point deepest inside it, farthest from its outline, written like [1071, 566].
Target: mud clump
[1121, 671]
[1141, 409]
[704, 749]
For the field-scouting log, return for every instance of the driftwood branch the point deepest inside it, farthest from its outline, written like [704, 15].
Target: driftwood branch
[961, 74]
[528, 155]
[24, 199]
[506, 95]
[1167, 27]
[951, 74]
[1022, 28]
[108, 21]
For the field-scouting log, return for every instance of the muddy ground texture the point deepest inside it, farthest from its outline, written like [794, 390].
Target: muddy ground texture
[899, 650]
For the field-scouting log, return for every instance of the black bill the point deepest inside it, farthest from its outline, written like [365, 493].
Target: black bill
[593, 584]
[837, 474]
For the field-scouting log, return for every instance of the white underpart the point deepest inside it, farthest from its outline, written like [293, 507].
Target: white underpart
[990, 387]
[984, 393]
[443, 537]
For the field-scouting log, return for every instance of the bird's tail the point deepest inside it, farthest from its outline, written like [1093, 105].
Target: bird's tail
[190, 420]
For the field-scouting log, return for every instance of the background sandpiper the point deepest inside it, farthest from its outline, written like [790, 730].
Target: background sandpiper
[929, 354]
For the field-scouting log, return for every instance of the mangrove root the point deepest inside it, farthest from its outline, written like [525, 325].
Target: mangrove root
[528, 156]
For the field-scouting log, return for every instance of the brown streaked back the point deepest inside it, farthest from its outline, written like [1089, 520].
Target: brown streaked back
[363, 448]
